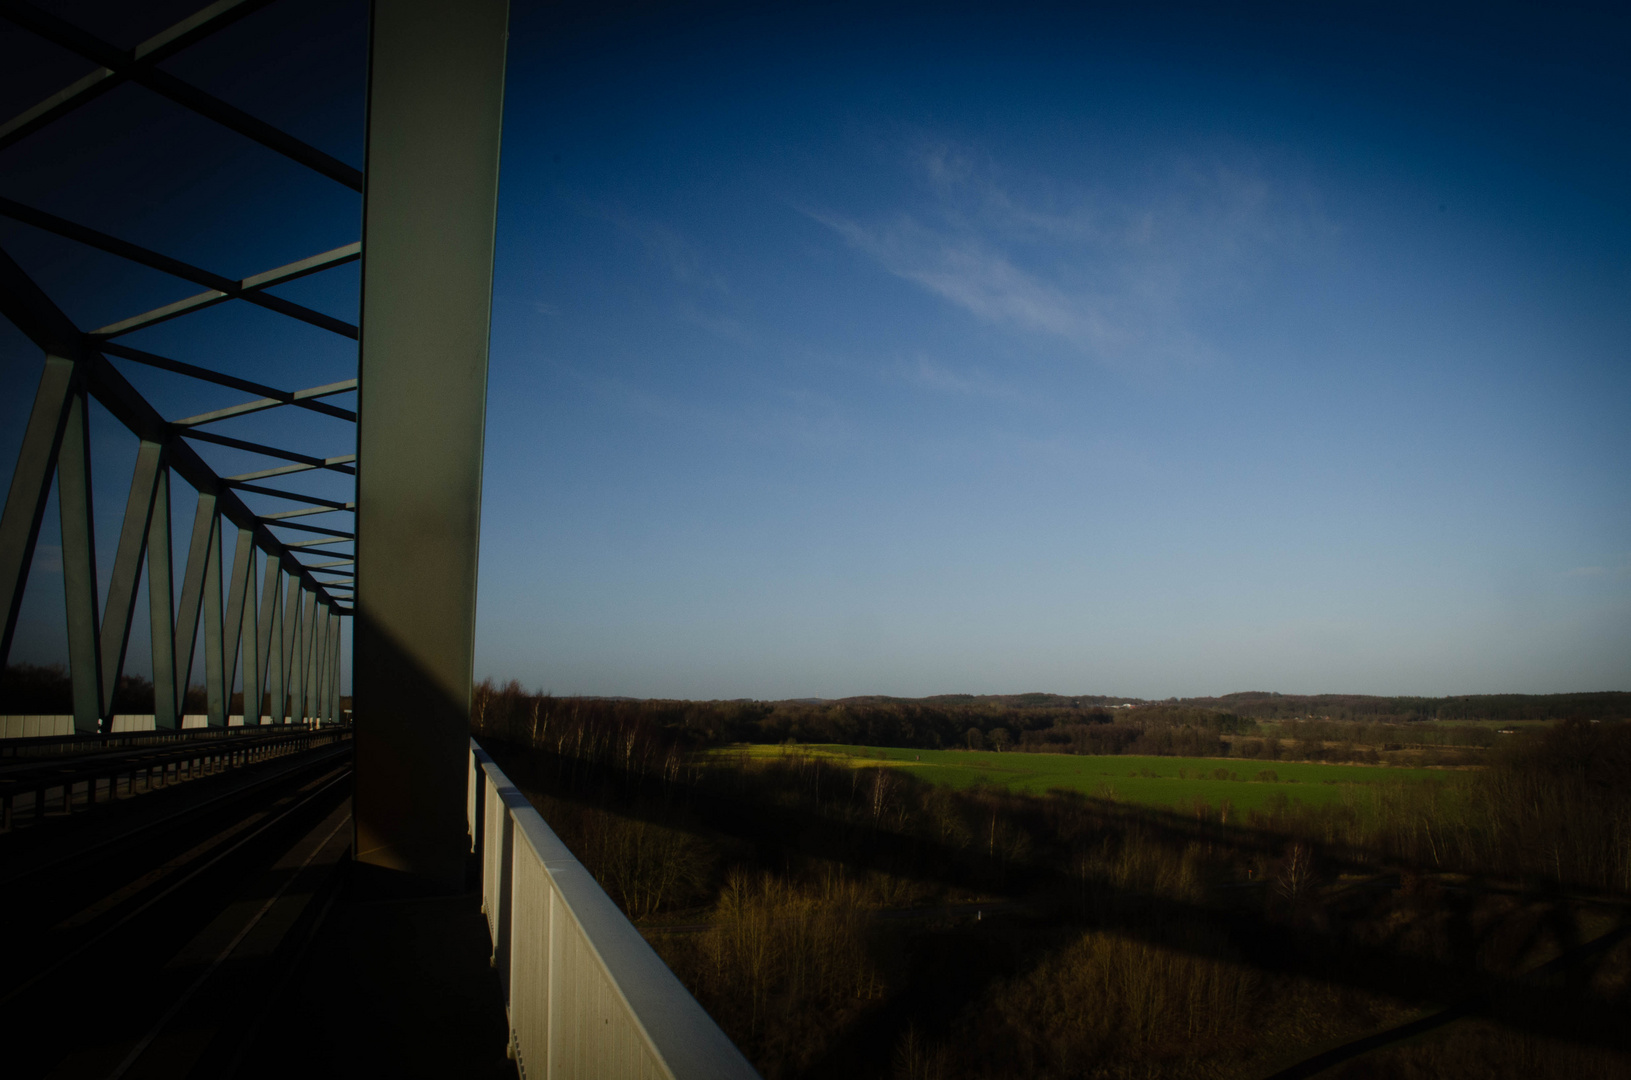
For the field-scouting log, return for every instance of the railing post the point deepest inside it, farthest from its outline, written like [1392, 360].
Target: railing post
[436, 89]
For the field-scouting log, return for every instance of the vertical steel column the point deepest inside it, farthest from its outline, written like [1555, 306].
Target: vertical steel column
[214, 662]
[334, 670]
[435, 111]
[308, 655]
[319, 661]
[250, 636]
[291, 644]
[242, 588]
[205, 532]
[79, 565]
[268, 648]
[297, 652]
[161, 610]
[31, 489]
[127, 569]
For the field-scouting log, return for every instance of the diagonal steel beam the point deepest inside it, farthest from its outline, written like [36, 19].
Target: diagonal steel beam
[122, 63]
[127, 569]
[277, 660]
[135, 253]
[337, 463]
[79, 565]
[31, 489]
[293, 611]
[302, 398]
[292, 272]
[214, 635]
[308, 512]
[162, 45]
[205, 546]
[337, 534]
[240, 593]
[161, 607]
[267, 630]
[309, 653]
[132, 410]
[331, 696]
[250, 647]
[315, 500]
[32, 312]
[299, 397]
[319, 663]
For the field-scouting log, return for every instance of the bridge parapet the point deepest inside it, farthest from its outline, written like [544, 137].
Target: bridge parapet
[585, 993]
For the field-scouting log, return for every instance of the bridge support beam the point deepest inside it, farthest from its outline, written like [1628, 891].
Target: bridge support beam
[435, 105]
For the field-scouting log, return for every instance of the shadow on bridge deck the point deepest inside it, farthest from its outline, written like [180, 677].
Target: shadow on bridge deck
[391, 987]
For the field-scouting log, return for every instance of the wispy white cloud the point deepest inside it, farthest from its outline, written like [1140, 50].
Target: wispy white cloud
[721, 326]
[780, 415]
[966, 382]
[1122, 277]
[683, 260]
[966, 269]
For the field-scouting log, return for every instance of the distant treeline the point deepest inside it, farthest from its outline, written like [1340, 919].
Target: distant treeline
[1032, 722]
[1500, 708]
[930, 723]
[45, 690]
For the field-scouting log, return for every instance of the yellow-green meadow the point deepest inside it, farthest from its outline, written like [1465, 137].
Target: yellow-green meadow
[1146, 781]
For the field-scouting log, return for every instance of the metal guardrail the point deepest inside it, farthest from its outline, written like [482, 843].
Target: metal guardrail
[40, 746]
[585, 994]
[155, 765]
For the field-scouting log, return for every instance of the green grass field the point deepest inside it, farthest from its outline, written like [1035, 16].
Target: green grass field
[1147, 781]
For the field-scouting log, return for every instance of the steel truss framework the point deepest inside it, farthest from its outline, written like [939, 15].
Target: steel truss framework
[279, 619]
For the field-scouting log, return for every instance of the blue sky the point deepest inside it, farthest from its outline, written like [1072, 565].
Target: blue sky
[840, 351]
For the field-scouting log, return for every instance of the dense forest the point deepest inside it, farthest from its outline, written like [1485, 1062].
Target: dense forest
[858, 923]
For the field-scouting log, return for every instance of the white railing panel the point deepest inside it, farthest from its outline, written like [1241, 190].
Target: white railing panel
[587, 996]
[493, 857]
[473, 791]
[529, 968]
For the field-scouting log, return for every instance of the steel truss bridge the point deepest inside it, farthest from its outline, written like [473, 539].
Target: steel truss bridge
[368, 530]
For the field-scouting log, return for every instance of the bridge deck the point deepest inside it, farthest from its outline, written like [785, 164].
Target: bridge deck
[149, 936]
